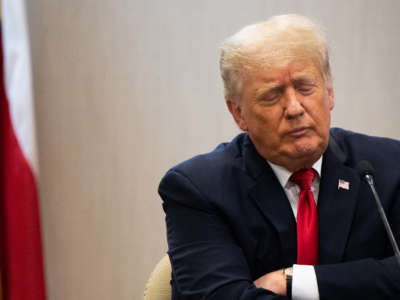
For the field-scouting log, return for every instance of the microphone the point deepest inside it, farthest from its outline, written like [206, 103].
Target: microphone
[366, 172]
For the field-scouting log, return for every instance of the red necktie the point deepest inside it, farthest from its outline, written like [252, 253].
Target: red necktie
[307, 219]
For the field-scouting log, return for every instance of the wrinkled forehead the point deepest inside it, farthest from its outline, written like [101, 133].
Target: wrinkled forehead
[281, 64]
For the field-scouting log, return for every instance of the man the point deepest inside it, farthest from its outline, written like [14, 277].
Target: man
[280, 212]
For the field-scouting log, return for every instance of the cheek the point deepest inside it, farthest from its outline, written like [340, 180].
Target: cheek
[323, 122]
[321, 110]
[268, 116]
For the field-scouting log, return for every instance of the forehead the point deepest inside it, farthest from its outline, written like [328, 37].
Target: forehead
[285, 72]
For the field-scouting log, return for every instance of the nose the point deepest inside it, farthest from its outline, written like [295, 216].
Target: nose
[293, 107]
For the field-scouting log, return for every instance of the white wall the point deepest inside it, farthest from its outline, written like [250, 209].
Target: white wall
[125, 89]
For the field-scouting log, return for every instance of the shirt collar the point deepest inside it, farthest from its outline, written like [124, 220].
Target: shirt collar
[283, 174]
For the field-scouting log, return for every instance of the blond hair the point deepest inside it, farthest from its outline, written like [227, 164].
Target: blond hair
[278, 40]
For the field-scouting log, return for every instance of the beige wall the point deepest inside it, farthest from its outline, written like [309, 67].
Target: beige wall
[125, 89]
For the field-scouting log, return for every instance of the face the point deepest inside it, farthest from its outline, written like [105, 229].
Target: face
[286, 112]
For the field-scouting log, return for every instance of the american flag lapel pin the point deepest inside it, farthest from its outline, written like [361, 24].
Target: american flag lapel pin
[343, 184]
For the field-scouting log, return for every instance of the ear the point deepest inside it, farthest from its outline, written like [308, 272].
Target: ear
[331, 97]
[237, 114]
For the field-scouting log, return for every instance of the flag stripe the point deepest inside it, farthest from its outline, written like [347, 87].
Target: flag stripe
[21, 257]
[17, 77]
[22, 261]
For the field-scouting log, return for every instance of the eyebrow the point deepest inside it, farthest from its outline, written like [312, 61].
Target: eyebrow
[271, 86]
[303, 79]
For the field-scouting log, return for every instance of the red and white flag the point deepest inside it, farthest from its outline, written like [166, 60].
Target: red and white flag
[21, 259]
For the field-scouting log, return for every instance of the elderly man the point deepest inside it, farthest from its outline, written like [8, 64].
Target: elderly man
[280, 212]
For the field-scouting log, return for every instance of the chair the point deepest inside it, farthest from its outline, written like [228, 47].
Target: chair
[158, 286]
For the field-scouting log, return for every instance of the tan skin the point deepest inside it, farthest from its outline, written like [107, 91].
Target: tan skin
[286, 113]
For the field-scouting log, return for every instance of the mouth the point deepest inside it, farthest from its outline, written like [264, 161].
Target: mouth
[297, 132]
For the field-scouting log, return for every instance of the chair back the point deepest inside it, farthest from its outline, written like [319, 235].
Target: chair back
[158, 286]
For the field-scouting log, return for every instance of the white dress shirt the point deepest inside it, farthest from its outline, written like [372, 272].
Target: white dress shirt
[304, 283]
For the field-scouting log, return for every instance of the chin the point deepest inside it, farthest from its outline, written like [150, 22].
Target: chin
[307, 150]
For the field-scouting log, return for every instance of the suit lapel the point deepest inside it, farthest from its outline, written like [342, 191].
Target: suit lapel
[336, 205]
[270, 198]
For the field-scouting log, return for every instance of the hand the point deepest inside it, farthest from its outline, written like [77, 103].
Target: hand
[274, 281]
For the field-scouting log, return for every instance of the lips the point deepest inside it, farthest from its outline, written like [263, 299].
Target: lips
[297, 132]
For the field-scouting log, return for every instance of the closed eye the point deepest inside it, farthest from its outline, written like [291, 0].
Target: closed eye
[271, 96]
[305, 89]
[304, 85]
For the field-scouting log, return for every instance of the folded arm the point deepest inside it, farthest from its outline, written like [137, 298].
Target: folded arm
[206, 261]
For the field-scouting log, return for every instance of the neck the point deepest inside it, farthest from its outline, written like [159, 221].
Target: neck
[297, 164]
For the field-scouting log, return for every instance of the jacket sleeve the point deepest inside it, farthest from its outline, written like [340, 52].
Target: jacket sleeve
[206, 261]
[367, 278]
[362, 279]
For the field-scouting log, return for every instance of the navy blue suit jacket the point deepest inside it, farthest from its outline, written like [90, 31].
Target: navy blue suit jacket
[229, 222]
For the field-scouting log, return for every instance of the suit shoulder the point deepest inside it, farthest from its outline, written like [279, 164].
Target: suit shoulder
[210, 163]
[197, 177]
[358, 146]
[347, 138]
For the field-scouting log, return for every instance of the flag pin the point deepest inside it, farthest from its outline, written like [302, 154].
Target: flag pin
[343, 185]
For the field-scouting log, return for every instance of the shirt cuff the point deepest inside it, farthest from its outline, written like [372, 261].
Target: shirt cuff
[304, 283]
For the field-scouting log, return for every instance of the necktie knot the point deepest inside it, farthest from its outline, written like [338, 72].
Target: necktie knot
[303, 178]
